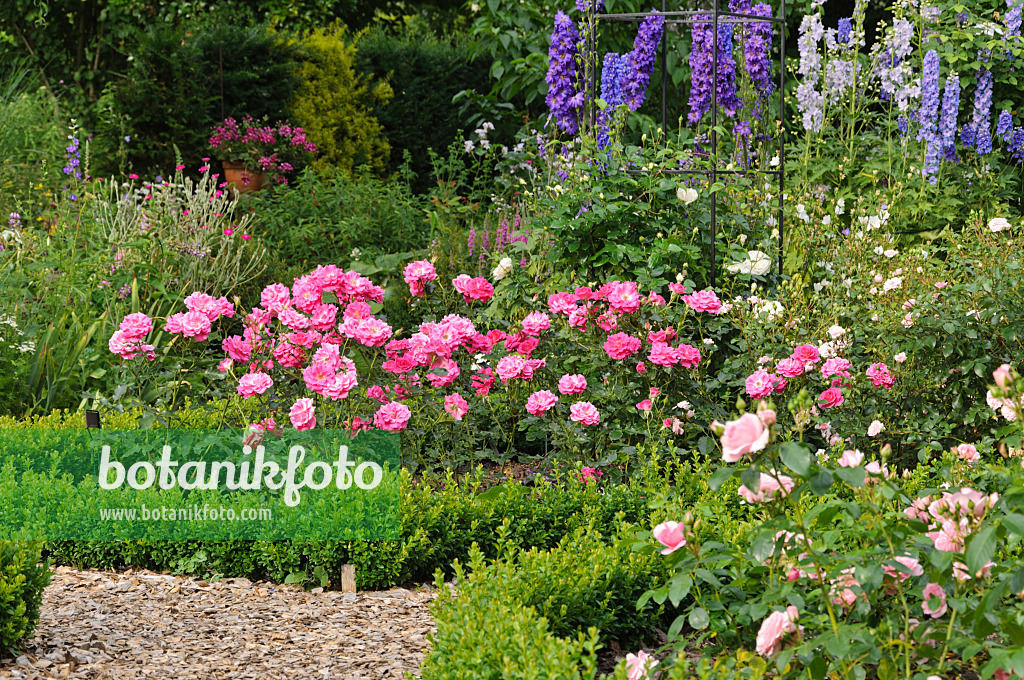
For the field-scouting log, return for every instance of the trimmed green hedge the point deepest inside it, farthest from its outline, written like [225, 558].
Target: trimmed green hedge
[23, 575]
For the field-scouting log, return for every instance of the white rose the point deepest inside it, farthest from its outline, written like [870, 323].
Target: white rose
[997, 224]
[740, 267]
[835, 331]
[760, 263]
[503, 269]
[686, 194]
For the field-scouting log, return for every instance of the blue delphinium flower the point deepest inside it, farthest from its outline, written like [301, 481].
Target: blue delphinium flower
[845, 28]
[563, 99]
[587, 5]
[810, 102]
[1016, 145]
[640, 61]
[1004, 126]
[703, 69]
[1013, 18]
[612, 72]
[902, 124]
[927, 117]
[757, 47]
[982, 113]
[947, 121]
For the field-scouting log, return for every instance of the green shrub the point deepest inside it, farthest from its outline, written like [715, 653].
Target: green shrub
[548, 605]
[425, 74]
[333, 105]
[183, 81]
[23, 576]
[322, 221]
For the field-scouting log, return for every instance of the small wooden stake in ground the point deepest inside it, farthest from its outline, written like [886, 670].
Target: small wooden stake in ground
[348, 578]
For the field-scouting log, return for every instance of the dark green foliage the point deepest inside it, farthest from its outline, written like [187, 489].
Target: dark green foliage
[425, 74]
[23, 576]
[321, 221]
[172, 94]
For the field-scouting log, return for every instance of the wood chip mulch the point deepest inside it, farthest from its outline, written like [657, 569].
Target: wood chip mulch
[145, 625]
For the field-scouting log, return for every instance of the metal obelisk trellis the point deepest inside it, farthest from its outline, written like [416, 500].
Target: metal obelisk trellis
[715, 17]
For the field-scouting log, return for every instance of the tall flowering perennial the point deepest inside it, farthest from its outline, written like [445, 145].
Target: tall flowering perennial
[810, 102]
[928, 115]
[981, 123]
[895, 73]
[74, 152]
[947, 120]
[1004, 126]
[563, 99]
[613, 72]
[640, 61]
[1013, 18]
[756, 38]
[704, 70]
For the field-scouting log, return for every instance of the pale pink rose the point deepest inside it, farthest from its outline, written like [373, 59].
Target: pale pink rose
[584, 412]
[746, 434]
[767, 415]
[1000, 375]
[225, 364]
[842, 592]
[670, 534]
[831, 398]
[934, 604]
[875, 428]
[392, 417]
[836, 366]
[638, 665]
[767, 486]
[512, 366]
[539, 402]
[252, 384]
[136, 326]
[851, 458]
[968, 452]
[645, 405]
[572, 383]
[900, 358]
[302, 414]
[535, 323]
[912, 567]
[773, 629]
[456, 406]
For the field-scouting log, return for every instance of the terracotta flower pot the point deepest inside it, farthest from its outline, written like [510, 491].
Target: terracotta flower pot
[242, 179]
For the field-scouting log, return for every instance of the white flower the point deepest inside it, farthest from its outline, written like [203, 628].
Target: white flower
[686, 194]
[740, 267]
[892, 284]
[826, 220]
[826, 350]
[998, 224]
[774, 162]
[891, 253]
[503, 269]
[840, 206]
[801, 212]
[485, 144]
[760, 263]
[878, 250]
[679, 277]
[469, 145]
[775, 232]
[835, 331]
[743, 239]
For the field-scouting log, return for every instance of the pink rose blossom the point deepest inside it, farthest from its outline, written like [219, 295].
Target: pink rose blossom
[774, 629]
[584, 412]
[572, 383]
[456, 406]
[663, 354]
[641, 367]
[759, 384]
[670, 534]
[623, 298]
[512, 366]
[539, 402]
[851, 458]
[275, 298]
[562, 303]
[639, 665]
[934, 604]
[689, 356]
[880, 376]
[836, 366]
[901, 357]
[875, 428]
[252, 384]
[136, 326]
[703, 301]
[747, 434]
[1000, 375]
[302, 414]
[790, 368]
[968, 452]
[535, 323]
[619, 346]
[195, 325]
[831, 398]
[392, 417]
[645, 405]
[768, 485]
[806, 354]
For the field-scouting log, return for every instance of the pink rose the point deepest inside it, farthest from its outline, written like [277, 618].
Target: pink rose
[254, 383]
[572, 383]
[456, 406]
[302, 414]
[641, 367]
[807, 354]
[584, 412]
[831, 398]
[836, 366]
[747, 434]
[535, 323]
[1001, 374]
[620, 345]
[689, 356]
[638, 665]
[790, 368]
[136, 326]
[911, 567]
[539, 402]
[703, 301]
[934, 604]
[875, 428]
[392, 417]
[623, 298]
[880, 376]
[645, 405]
[663, 354]
[512, 366]
[767, 486]
[561, 303]
[670, 534]
[275, 298]
[760, 384]
[774, 629]
[968, 452]
[195, 325]
[851, 458]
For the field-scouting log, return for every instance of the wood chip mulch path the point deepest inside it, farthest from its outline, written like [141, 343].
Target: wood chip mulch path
[145, 625]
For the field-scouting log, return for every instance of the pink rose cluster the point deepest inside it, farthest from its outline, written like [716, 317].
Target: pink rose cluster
[197, 322]
[127, 341]
[417, 274]
[703, 301]
[477, 288]
[880, 376]
[590, 474]
[952, 517]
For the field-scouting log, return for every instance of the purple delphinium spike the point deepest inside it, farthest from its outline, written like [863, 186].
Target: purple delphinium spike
[563, 99]
[810, 102]
[1013, 18]
[587, 5]
[640, 61]
[1004, 126]
[947, 120]
[845, 27]
[1016, 145]
[982, 113]
[927, 118]
[703, 70]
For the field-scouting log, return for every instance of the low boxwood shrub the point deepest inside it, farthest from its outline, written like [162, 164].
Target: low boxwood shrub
[23, 575]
